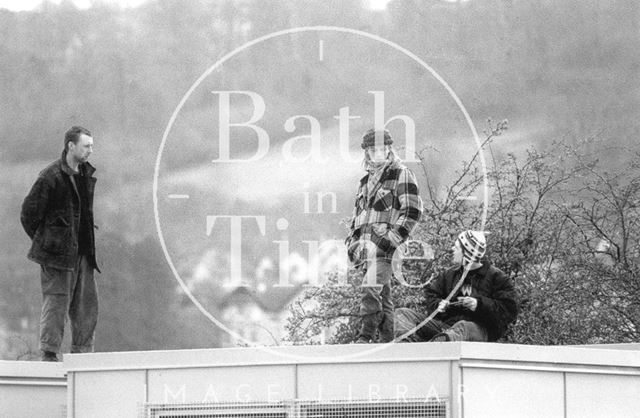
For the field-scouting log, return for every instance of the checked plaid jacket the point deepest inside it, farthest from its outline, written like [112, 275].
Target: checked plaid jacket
[387, 214]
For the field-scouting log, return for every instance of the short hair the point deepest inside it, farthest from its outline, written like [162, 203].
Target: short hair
[73, 134]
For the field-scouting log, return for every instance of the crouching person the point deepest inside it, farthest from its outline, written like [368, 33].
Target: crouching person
[481, 308]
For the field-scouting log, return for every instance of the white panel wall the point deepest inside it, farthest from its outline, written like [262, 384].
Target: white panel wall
[32, 401]
[479, 379]
[222, 384]
[32, 389]
[512, 393]
[107, 394]
[597, 395]
[374, 381]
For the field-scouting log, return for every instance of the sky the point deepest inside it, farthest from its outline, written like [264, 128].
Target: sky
[18, 5]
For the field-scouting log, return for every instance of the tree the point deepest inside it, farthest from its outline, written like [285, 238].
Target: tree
[562, 228]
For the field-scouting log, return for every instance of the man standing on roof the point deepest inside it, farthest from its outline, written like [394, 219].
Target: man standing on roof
[57, 215]
[387, 208]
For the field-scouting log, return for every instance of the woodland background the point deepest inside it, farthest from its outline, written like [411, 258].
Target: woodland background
[563, 177]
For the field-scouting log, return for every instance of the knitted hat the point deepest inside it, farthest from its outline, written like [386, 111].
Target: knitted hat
[369, 138]
[473, 246]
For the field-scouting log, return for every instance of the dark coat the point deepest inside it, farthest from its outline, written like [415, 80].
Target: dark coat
[51, 216]
[497, 305]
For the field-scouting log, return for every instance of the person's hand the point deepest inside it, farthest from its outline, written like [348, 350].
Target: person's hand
[468, 302]
[443, 305]
[356, 251]
[353, 251]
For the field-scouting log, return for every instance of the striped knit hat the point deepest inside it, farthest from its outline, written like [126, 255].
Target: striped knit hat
[473, 246]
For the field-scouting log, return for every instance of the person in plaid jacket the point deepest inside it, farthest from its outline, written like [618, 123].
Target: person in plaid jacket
[387, 208]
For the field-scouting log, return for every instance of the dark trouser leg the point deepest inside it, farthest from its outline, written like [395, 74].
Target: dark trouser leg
[376, 299]
[386, 326]
[55, 301]
[83, 309]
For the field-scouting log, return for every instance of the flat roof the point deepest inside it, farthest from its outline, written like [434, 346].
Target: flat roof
[616, 356]
[32, 369]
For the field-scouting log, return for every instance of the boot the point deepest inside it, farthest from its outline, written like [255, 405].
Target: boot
[386, 328]
[49, 356]
[440, 338]
[369, 327]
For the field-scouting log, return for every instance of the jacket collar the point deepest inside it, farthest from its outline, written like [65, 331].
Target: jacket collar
[385, 174]
[87, 168]
[481, 271]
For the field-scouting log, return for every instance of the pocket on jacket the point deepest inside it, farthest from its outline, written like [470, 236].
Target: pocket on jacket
[384, 200]
[55, 239]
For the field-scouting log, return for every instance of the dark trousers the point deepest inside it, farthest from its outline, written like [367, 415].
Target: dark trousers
[73, 293]
[376, 306]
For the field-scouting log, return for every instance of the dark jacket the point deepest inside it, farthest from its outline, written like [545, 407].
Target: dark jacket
[51, 215]
[497, 306]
